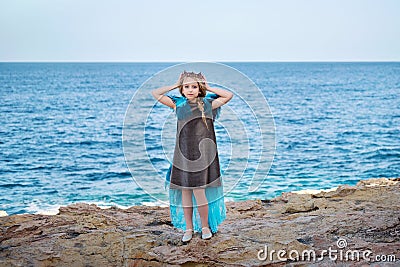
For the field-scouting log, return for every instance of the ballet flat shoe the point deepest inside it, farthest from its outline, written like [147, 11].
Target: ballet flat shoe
[206, 236]
[188, 235]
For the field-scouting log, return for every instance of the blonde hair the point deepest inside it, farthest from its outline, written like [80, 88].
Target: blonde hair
[199, 78]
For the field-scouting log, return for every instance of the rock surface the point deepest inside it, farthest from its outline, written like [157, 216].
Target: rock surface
[361, 219]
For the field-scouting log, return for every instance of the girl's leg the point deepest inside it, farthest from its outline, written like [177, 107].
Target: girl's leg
[202, 205]
[187, 207]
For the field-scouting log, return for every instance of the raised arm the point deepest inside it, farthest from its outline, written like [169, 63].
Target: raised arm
[224, 95]
[158, 94]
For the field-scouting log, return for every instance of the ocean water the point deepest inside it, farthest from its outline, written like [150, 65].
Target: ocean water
[61, 127]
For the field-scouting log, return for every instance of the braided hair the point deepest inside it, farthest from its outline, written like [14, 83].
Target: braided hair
[200, 105]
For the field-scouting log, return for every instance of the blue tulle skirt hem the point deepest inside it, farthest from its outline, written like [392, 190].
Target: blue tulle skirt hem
[216, 207]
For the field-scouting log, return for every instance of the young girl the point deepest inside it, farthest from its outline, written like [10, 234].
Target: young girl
[194, 178]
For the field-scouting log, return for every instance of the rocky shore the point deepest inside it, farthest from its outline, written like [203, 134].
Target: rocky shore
[358, 221]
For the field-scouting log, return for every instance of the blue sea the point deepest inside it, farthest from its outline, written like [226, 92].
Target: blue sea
[61, 127]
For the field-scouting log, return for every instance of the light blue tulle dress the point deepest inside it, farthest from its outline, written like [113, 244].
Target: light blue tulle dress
[214, 194]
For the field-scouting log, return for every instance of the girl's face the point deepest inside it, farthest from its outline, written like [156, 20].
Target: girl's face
[190, 88]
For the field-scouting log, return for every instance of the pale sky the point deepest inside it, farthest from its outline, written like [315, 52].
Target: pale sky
[206, 30]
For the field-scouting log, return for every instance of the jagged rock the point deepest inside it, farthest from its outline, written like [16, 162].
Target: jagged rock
[378, 181]
[301, 206]
[341, 191]
[366, 216]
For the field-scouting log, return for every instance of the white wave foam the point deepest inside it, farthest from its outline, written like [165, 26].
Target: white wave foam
[47, 209]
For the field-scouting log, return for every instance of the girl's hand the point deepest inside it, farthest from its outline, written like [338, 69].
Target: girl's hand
[178, 82]
[204, 81]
